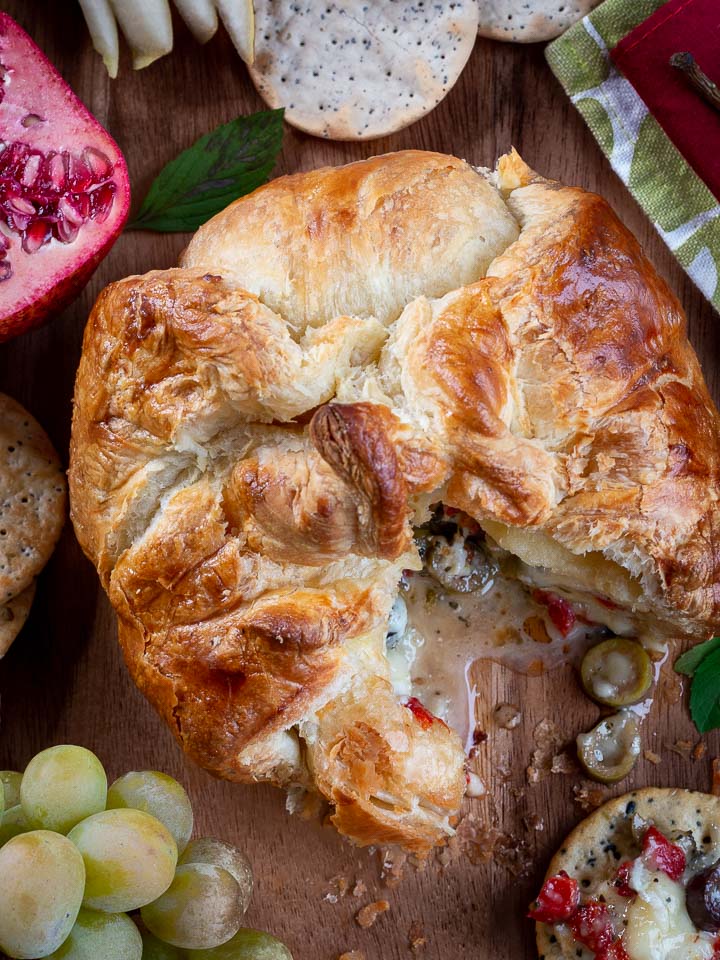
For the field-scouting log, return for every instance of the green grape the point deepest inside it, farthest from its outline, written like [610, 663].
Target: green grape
[201, 908]
[160, 796]
[41, 888]
[247, 944]
[11, 780]
[13, 822]
[154, 949]
[61, 786]
[129, 856]
[225, 855]
[101, 936]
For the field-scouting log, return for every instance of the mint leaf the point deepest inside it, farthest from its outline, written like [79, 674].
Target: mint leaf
[705, 693]
[225, 164]
[691, 659]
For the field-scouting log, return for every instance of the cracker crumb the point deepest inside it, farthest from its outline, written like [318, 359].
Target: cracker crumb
[699, 751]
[716, 777]
[652, 757]
[416, 937]
[367, 916]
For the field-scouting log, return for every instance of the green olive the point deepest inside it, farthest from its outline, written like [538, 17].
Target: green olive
[616, 672]
[609, 751]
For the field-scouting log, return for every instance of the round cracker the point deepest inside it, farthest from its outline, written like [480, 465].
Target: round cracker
[530, 21]
[603, 840]
[13, 616]
[32, 498]
[358, 70]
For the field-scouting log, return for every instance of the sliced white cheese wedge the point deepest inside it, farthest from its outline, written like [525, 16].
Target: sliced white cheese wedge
[658, 925]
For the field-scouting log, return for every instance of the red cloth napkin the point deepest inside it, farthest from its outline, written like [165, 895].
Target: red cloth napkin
[642, 56]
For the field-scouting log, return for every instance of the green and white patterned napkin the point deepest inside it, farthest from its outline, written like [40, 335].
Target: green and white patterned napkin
[682, 208]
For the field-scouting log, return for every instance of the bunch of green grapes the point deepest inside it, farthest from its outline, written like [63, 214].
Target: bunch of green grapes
[76, 858]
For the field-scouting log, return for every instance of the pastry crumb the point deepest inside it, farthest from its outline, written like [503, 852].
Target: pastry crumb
[367, 916]
[352, 955]
[652, 757]
[563, 763]
[589, 798]
[360, 889]
[416, 937]
[507, 716]
[699, 751]
[339, 887]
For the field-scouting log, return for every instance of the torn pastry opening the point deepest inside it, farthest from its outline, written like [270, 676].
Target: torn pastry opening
[494, 592]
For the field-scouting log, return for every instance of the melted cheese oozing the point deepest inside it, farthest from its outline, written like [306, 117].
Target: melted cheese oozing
[658, 925]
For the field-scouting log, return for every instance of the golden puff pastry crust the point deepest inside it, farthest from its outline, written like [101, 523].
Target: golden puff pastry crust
[256, 431]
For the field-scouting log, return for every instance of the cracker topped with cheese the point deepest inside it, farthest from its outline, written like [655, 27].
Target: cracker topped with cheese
[637, 880]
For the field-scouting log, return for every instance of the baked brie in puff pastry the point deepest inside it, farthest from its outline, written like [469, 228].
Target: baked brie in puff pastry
[256, 434]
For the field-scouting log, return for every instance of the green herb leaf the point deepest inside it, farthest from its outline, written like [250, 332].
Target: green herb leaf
[692, 658]
[705, 693]
[225, 164]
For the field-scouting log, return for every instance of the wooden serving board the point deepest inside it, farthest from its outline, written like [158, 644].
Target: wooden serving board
[64, 680]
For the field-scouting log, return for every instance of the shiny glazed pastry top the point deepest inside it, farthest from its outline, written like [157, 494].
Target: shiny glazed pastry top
[256, 432]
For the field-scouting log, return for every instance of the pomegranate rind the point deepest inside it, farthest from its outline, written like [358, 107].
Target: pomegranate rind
[45, 282]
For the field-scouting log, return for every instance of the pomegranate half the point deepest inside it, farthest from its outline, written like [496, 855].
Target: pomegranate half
[64, 190]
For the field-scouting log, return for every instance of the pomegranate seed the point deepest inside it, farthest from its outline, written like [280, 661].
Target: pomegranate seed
[592, 926]
[98, 163]
[32, 120]
[78, 173]
[32, 168]
[65, 231]
[662, 855]
[21, 206]
[36, 235]
[69, 212]
[101, 201]
[54, 171]
[558, 899]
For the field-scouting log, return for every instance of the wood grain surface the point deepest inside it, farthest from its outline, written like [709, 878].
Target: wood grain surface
[64, 680]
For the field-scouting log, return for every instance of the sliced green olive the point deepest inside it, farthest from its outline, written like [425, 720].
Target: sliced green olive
[616, 672]
[460, 565]
[609, 751]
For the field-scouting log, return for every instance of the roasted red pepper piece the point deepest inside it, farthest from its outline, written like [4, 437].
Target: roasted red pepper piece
[557, 901]
[422, 714]
[622, 880]
[559, 610]
[592, 926]
[616, 951]
[662, 855]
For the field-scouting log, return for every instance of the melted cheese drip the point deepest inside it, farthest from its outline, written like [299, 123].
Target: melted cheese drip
[657, 923]
[444, 633]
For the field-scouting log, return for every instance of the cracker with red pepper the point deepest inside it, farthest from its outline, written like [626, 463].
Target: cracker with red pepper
[630, 849]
